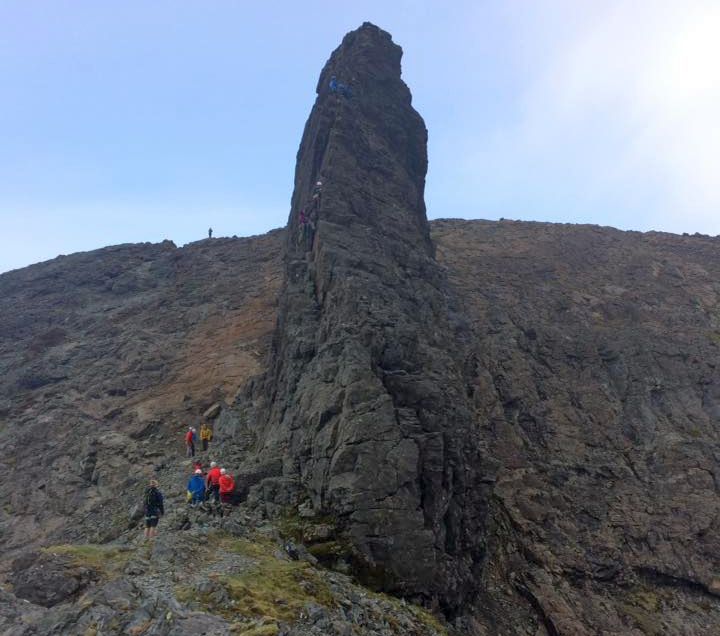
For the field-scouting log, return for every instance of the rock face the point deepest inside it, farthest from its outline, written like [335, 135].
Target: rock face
[368, 404]
[105, 357]
[596, 385]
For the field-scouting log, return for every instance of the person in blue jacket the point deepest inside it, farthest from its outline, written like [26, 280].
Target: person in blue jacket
[337, 87]
[196, 487]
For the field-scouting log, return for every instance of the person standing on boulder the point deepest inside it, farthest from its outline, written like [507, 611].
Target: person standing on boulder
[212, 482]
[205, 435]
[154, 509]
[190, 442]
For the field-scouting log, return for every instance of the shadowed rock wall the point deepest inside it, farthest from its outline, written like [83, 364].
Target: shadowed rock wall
[367, 402]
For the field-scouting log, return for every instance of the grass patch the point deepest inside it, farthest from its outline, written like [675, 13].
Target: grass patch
[292, 526]
[269, 589]
[107, 560]
[329, 551]
[260, 630]
[647, 622]
[643, 608]
[420, 614]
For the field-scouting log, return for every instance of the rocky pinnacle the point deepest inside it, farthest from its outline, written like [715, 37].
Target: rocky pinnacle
[365, 398]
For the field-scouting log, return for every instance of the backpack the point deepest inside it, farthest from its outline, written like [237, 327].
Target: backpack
[150, 499]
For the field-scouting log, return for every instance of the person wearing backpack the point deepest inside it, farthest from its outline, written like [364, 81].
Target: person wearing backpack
[227, 486]
[154, 509]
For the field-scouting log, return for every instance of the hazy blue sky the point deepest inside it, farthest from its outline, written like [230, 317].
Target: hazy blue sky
[139, 121]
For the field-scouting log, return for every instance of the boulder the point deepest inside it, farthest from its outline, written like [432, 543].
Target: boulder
[212, 412]
[47, 580]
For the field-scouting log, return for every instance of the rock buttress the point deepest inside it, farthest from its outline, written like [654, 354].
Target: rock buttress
[365, 399]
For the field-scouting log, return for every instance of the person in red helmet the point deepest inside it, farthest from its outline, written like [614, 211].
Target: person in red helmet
[212, 482]
[227, 486]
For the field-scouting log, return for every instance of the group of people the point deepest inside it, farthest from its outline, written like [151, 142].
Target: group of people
[191, 438]
[308, 218]
[217, 485]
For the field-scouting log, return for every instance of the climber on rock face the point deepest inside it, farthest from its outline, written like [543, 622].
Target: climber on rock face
[190, 442]
[213, 482]
[227, 486]
[302, 221]
[196, 488]
[154, 509]
[316, 197]
[205, 435]
[337, 87]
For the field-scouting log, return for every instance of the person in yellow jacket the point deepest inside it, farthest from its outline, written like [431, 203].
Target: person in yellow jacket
[205, 435]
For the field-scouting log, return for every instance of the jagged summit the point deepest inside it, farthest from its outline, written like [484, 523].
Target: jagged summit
[369, 146]
[366, 54]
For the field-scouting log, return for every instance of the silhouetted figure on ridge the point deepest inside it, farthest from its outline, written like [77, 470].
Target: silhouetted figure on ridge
[209, 232]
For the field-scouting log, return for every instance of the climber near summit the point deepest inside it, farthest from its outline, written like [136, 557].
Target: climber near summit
[316, 196]
[196, 488]
[154, 509]
[337, 87]
[209, 232]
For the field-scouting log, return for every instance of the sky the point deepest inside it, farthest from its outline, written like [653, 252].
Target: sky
[130, 121]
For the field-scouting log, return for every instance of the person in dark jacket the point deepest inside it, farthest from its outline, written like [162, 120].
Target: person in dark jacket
[154, 509]
[196, 487]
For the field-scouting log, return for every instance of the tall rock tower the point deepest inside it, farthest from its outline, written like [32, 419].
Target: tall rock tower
[366, 401]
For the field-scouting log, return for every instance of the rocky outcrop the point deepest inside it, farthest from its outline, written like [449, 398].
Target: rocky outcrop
[105, 357]
[366, 398]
